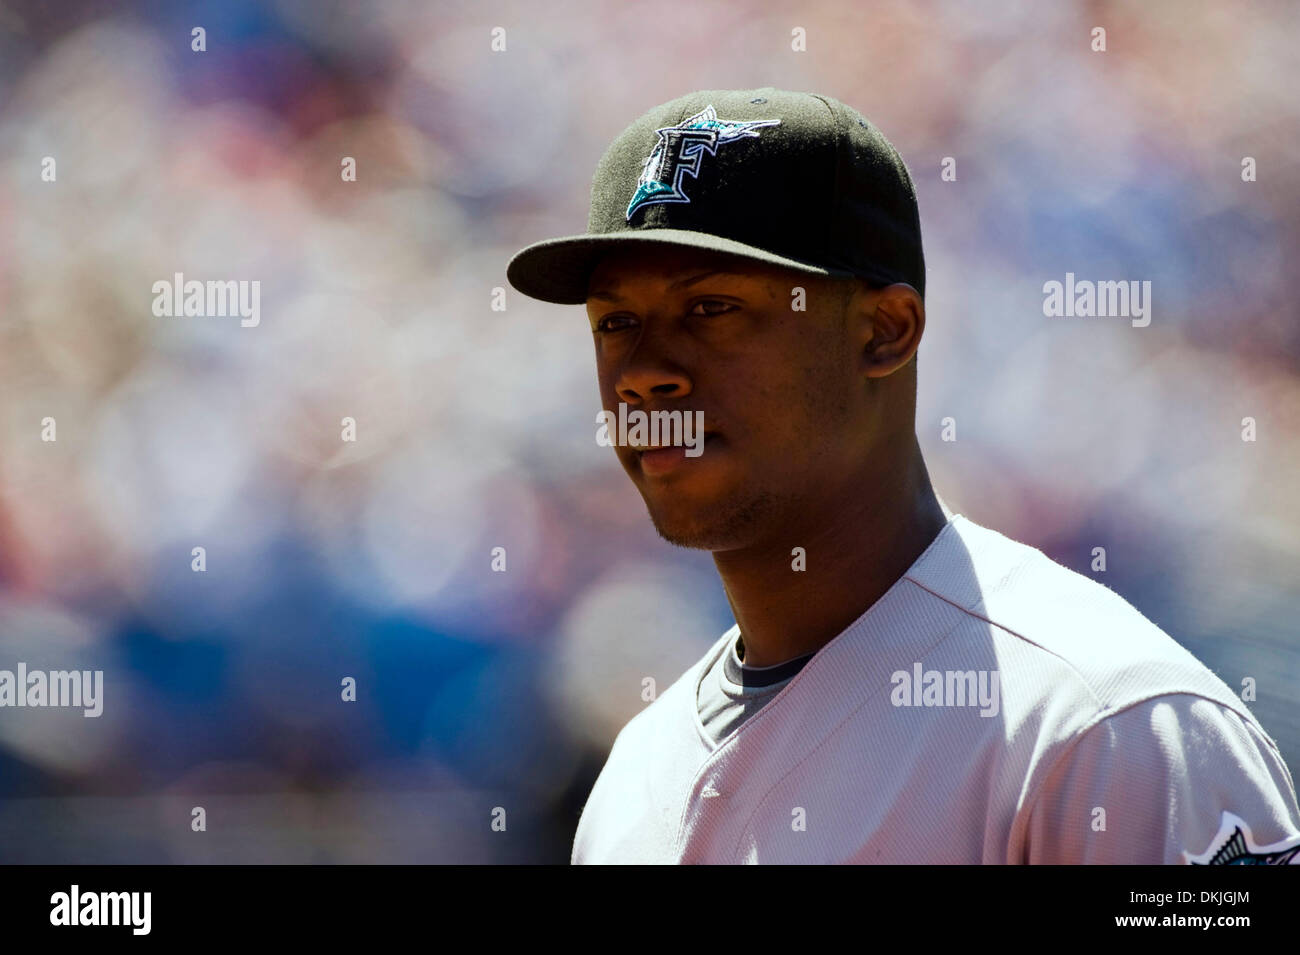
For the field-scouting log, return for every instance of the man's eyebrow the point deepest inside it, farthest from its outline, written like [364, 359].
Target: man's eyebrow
[610, 296]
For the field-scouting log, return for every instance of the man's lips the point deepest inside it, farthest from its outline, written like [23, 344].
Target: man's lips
[654, 461]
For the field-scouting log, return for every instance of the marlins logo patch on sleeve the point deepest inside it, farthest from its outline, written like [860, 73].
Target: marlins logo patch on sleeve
[1234, 845]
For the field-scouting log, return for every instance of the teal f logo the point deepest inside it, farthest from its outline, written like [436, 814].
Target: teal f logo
[679, 152]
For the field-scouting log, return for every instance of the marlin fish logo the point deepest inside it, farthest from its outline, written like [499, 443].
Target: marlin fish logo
[1234, 845]
[679, 152]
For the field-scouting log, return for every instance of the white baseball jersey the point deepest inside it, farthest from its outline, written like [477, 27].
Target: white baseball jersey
[992, 706]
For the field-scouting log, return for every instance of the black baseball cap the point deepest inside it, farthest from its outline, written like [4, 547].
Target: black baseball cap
[792, 179]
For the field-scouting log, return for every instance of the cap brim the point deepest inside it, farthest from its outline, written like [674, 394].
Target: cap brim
[558, 270]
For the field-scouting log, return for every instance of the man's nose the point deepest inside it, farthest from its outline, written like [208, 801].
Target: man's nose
[648, 373]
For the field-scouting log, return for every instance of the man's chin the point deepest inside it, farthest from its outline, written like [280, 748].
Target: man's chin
[714, 528]
[695, 538]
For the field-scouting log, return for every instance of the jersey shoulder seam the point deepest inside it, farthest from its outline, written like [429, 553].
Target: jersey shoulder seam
[1103, 707]
[1036, 791]
[1003, 627]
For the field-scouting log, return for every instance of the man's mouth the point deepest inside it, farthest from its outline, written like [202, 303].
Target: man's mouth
[656, 459]
[642, 448]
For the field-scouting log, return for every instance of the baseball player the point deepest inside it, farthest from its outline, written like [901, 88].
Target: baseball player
[902, 685]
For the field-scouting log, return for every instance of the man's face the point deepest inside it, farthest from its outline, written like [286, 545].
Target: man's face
[780, 389]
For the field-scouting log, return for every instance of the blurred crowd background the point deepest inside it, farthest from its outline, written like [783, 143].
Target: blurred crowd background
[475, 427]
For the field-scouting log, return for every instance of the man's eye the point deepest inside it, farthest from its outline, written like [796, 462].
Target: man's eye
[725, 307]
[614, 323]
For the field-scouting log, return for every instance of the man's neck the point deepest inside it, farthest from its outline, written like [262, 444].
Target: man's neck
[853, 557]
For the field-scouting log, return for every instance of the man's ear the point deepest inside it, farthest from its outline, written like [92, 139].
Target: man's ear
[890, 321]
